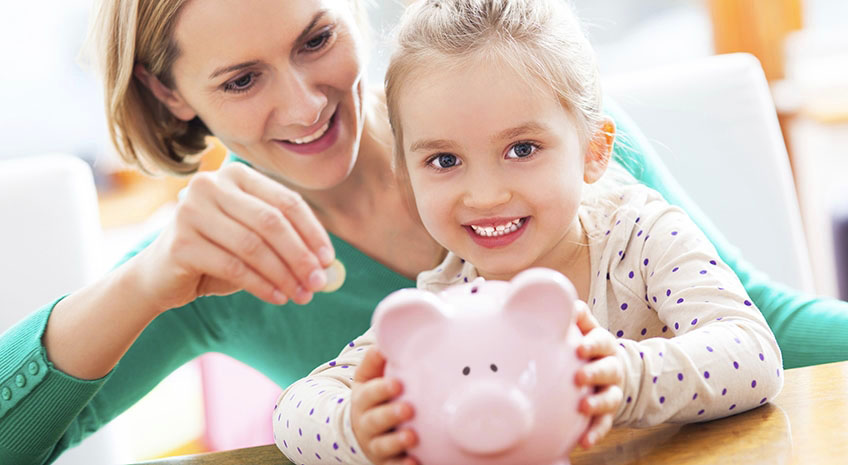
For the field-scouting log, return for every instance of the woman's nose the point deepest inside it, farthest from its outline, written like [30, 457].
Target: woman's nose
[299, 101]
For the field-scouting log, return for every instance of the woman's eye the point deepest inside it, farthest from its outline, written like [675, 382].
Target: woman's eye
[444, 161]
[317, 42]
[521, 150]
[241, 83]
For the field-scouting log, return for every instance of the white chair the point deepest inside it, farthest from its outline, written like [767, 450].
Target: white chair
[49, 246]
[714, 125]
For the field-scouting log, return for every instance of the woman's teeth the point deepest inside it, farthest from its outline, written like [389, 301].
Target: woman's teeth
[314, 136]
[498, 230]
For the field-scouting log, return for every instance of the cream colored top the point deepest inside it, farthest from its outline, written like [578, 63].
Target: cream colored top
[693, 345]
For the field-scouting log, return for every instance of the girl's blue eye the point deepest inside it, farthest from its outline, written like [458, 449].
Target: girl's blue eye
[444, 161]
[521, 150]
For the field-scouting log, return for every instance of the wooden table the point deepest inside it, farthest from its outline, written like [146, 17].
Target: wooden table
[805, 424]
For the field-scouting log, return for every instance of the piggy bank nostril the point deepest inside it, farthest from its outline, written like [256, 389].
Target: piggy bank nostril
[494, 367]
[466, 371]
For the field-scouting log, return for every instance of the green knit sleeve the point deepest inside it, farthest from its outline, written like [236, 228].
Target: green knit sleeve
[809, 330]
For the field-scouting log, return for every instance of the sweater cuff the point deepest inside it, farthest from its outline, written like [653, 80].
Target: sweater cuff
[37, 401]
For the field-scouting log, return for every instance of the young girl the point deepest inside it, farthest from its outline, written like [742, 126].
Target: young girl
[495, 107]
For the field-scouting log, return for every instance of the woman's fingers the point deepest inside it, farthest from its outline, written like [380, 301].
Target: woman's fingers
[293, 207]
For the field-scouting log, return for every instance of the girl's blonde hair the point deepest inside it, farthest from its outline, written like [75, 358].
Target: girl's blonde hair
[142, 129]
[538, 38]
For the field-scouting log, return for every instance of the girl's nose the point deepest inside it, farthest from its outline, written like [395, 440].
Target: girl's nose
[299, 101]
[486, 192]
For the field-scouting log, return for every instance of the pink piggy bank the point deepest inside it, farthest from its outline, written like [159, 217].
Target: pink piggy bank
[489, 368]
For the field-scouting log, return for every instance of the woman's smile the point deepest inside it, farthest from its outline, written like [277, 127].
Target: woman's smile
[317, 142]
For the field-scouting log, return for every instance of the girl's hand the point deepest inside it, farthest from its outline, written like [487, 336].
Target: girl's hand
[604, 373]
[236, 229]
[374, 417]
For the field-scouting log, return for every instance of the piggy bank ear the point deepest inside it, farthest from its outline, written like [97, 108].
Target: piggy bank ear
[403, 317]
[541, 301]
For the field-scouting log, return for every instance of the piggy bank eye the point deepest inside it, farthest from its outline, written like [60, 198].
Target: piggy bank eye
[494, 367]
[466, 370]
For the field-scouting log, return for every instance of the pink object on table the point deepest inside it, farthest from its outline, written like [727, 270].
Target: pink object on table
[237, 401]
[489, 369]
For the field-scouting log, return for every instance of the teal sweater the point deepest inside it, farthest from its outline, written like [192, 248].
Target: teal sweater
[44, 411]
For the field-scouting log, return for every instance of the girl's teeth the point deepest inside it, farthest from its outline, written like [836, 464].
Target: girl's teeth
[314, 136]
[499, 230]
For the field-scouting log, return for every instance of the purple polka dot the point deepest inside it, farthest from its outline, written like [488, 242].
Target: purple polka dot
[351, 343]
[638, 218]
[694, 322]
[662, 399]
[629, 399]
[352, 450]
[703, 272]
[298, 404]
[695, 396]
[647, 236]
[778, 372]
[639, 233]
[712, 262]
[763, 400]
[607, 233]
[655, 299]
[318, 437]
[732, 407]
[735, 364]
[641, 355]
[593, 301]
[660, 354]
[680, 300]
[676, 326]
[465, 279]
[618, 222]
[645, 262]
[754, 383]
[680, 376]
[644, 331]
[667, 292]
[285, 444]
[674, 233]
[724, 391]
[655, 380]
[674, 270]
[624, 306]
[299, 451]
[665, 328]
[701, 412]
[619, 333]
[737, 340]
[312, 411]
[319, 457]
[327, 420]
[747, 303]
[631, 275]
[340, 401]
[299, 432]
[707, 374]
[607, 276]
[287, 421]
[333, 363]
[709, 349]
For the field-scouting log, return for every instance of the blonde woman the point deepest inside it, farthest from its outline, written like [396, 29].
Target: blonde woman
[236, 270]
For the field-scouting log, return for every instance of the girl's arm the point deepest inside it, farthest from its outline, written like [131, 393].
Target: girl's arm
[723, 358]
[312, 416]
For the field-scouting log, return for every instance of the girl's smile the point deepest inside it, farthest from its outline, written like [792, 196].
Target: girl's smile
[496, 232]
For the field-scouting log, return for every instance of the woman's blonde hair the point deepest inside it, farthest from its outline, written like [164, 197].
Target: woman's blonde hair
[538, 38]
[142, 129]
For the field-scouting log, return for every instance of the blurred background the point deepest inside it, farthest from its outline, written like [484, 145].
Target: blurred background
[50, 102]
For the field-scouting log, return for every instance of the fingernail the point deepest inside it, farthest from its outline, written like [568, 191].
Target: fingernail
[317, 280]
[278, 297]
[325, 255]
[302, 295]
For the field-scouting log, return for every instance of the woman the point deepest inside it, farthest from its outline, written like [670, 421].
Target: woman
[278, 83]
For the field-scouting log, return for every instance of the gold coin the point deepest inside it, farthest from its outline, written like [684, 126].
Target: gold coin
[335, 276]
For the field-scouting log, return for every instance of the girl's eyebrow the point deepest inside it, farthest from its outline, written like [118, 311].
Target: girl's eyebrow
[530, 127]
[431, 145]
[248, 64]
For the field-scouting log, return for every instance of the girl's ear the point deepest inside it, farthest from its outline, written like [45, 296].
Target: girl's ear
[170, 98]
[599, 151]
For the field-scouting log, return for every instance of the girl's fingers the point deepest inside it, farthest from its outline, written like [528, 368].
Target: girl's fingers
[381, 419]
[375, 392]
[606, 401]
[217, 262]
[388, 446]
[599, 426]
[597, 343]
[292, 205]
[601, 372]
[372, 366]
[585, 320]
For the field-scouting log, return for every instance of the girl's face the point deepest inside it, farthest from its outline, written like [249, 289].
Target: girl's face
[277, 81]
[496, 167]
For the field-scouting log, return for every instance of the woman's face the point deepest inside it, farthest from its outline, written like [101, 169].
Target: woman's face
[277, 81]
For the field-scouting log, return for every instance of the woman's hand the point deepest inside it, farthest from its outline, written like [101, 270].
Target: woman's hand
[604, 373]
[237, 229]
[374, 417]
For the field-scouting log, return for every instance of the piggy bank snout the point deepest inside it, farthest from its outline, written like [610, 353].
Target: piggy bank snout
[488, 418]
